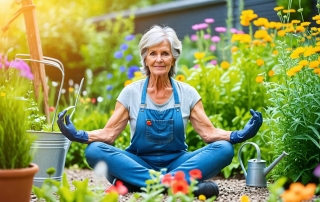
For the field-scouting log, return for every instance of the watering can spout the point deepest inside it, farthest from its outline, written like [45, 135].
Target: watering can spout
[274, 163]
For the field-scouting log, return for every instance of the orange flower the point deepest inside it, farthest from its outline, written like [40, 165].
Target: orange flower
[314, 64]
[260, 62]
[281, 32]
[234, 49]
[225, 65]
[179, 175]
[271, 73]
[180, 77]
[317, 71]
[259, 34]
[195, 174]
[180, 186]
[259, 79]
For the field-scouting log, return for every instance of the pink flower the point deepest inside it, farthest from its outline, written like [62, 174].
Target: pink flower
[196, 66]
[194, 37]
[195, 27]
[200, 26]
[233, 30]
[221, 29]
[215, 39]
[206, 36]
[213, 48]
[213, 62]
[316, 171]
[209, 20]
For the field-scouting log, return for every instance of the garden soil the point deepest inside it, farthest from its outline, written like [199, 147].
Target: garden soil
[230, 189]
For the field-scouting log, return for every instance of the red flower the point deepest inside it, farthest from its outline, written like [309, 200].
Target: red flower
[179, 175]
[119, 188]
[167, 179]
[195, 174]
[93, 100]
[180, 186]
[51, 109]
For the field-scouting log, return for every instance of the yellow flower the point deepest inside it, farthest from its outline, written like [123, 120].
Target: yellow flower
[309, 51]
[259, 79]
[317, 71]
[294, 70]
[314, 64]
[278, 8]
[225, 65]
[295, 21]
[88, 99]
[281, 32]
[270, 73]
[127, 82]
[275, 52]
[259, 34]
[297, 52]
[260, 62]
[300, 29]
[247, 16]
[180, 77]
[199, 55]
[305, 24]
[138, 74]
[202, 197]
[2, 94]
[317, 17]
[303, 63]
[244, 198]
[289, 11]
[261, 22]
[71, 89]
[234, 49]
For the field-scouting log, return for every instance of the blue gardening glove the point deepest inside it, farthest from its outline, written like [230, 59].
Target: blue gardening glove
[249, 130]
[69, 130]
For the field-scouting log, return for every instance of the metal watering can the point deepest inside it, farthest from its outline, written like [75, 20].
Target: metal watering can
[257, 170]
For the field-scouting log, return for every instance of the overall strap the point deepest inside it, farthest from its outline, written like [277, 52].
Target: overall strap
[175, 94]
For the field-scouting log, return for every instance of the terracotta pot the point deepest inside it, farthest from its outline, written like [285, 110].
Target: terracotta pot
[16, 184]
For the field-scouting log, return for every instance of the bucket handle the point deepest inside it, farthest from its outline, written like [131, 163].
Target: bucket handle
[239, 154]
[50, 62]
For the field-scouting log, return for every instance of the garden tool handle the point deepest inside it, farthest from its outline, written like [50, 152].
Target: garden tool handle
[77, 98]
[50, 62]
[239, 154]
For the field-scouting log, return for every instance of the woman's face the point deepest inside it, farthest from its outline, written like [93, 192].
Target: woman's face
[159, 59]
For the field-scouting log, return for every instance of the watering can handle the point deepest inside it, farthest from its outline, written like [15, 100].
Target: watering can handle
[239, 155]
[50, 62]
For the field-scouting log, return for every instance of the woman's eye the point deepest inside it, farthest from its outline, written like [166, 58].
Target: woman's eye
[165, 53]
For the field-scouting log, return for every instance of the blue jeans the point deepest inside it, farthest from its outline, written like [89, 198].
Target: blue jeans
[134, 169]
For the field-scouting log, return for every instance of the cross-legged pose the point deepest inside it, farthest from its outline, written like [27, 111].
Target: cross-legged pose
[158, 109]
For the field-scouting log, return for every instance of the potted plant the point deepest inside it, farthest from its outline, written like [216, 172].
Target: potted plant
[16, 167]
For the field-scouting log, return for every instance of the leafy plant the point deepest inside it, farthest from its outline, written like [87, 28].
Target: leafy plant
[293, 112]
[15, 142]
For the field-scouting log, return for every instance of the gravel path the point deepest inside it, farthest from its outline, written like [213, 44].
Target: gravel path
[230, 189]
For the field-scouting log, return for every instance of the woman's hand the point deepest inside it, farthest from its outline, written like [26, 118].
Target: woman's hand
[249, 130]
[69, 130]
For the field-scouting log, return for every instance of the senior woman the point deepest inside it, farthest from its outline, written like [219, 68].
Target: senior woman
[158, 109]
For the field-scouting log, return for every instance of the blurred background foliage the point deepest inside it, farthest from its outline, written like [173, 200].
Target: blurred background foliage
[230, 71]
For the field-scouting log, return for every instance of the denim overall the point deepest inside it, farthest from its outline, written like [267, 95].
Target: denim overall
[159, 142]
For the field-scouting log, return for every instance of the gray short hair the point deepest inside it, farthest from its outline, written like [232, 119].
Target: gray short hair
[155, 36]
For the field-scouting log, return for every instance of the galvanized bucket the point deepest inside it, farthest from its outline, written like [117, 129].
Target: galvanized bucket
[50, 148]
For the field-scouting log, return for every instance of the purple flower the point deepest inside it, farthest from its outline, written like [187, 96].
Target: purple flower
[122, 68]
[118, 54]
[109, 87]
[209, 20]
[316, 171]
[129, 37]
[196, 66]
[200, 26]
[220, 29]
[132, 70]
[129, 57]
[23, 67]
[195, 27]
[206, 36]
[214, 62]
[215, 39]
[213, 48]
[109, 76]
[194, 37]
[124, 47]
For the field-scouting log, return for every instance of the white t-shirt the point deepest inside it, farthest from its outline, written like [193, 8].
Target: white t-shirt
[130, 97]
